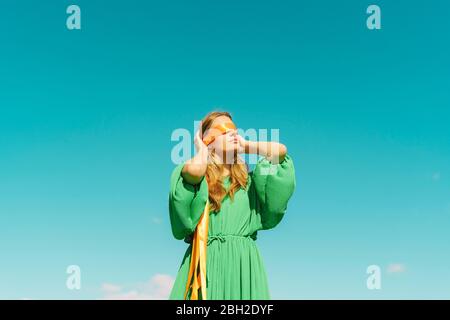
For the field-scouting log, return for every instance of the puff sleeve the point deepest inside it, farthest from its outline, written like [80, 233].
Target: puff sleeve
[186, 203]
[273, 186]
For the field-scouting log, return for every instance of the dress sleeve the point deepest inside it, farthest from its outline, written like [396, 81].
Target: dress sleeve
[186, 203]
[273, 186]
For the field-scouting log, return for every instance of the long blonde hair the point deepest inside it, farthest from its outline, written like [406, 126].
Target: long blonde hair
[238, 171]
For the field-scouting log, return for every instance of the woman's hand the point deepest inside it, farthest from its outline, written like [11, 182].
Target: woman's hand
[243, 144]
[200, 146]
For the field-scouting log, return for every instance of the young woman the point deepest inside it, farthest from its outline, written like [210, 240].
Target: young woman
[218, 207]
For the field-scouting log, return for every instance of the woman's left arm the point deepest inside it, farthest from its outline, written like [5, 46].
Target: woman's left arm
[273, 151]
[273, 180]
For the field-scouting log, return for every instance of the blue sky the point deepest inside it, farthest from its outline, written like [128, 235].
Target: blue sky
[86, 118]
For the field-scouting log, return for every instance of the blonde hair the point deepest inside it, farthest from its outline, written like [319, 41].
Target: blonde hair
[238, 171]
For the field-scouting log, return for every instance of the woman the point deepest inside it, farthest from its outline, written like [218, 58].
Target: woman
[216, 186]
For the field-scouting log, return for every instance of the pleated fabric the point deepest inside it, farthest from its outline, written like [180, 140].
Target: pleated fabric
[235, 268]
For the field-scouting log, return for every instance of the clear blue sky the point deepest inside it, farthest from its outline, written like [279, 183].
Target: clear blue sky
[86, 118]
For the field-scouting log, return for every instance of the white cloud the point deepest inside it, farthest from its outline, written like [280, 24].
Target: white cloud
[396, 268]
[157, 288]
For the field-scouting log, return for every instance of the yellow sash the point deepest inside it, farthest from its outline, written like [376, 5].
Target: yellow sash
[197, 270]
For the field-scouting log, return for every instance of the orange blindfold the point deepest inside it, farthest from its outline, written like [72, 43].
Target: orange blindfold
[218, 130]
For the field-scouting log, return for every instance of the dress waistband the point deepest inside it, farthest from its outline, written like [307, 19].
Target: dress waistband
[223, 237]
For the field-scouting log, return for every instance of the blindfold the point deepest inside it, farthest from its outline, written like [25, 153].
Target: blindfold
[218, 130]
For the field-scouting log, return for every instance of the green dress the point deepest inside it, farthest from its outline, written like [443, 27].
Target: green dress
[234, 267]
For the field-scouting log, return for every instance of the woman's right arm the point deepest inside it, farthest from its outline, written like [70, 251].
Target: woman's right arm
[194, 169]
[188, 193]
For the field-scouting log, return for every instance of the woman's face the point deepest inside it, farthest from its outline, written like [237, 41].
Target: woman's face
[223, 142]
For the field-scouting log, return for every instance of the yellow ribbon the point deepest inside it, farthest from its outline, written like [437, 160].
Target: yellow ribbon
[197, 270]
